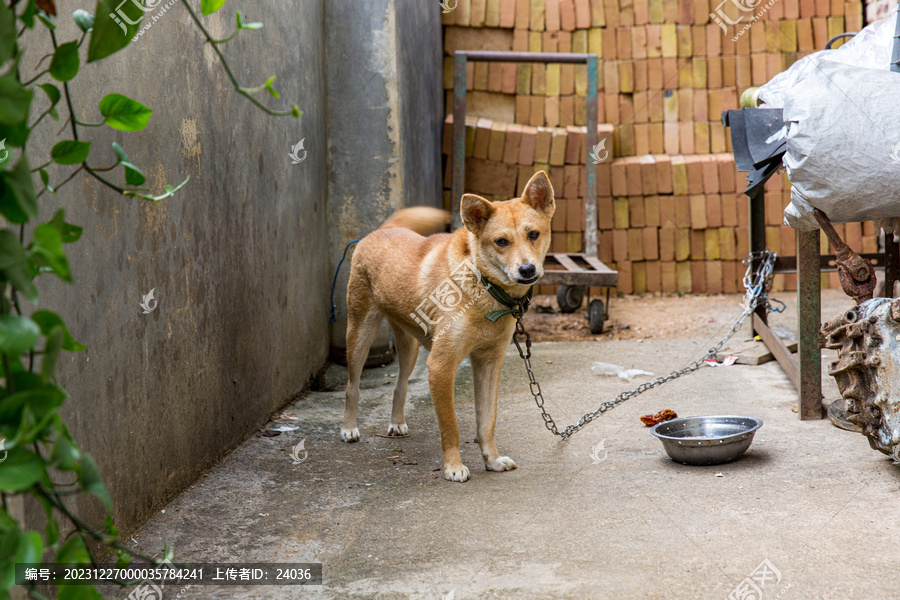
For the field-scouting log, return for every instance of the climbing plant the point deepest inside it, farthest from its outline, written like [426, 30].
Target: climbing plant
[39, 457]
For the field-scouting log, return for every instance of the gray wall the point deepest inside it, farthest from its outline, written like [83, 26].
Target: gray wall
[384, 120]
[239, 259]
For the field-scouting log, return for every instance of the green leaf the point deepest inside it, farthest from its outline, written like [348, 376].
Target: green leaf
[208, 7]
[45, 178]
[30, 548]
[83, 19]
[51, 532]
[46, 21]
[48, 321]
[7, 33]
[52, 92]
[47, 250]
[27, 15]
[91, 482]
[51, 353]
[295, 111]
[73, 552]
[15, 135]
[69, 152]
[14, 264]
[123, 113]
[17, 335]
[64, 65]
[133, 175]
[114, 30]
[21, 469]
[70, 233]
[65, 454]
[14, 101]
[18, 202]
[242, 24]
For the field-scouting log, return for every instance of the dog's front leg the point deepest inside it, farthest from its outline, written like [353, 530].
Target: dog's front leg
[486, 374]
[442, 368]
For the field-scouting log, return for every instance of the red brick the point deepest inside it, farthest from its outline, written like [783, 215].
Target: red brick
[636, 211]
[523, 13]
[667, 277]
[620, 245]
[713, 210]
[605, 212]
[651, 243]
[698, 276]
[713, 277]
[567, 15]
[575, 214]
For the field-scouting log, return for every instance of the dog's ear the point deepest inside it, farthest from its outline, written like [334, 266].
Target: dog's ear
[475, 212]
[539, 194]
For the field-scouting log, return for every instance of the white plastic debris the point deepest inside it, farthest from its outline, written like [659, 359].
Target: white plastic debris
[599, 368]
[284, 428]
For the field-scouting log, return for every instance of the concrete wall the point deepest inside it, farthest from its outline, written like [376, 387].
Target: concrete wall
[239, 260]
[384, 120]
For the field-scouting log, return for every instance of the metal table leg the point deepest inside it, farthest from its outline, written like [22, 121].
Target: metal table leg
[891, 264]
[809, 284]
[757, 203]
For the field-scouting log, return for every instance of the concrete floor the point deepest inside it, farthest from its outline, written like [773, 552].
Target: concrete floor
[624, 523]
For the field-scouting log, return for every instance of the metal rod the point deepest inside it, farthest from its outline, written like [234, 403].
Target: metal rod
[458, 177]
[541, 57]
[757, 203]
[891, 264]
[590, 188]
[809, 284]
[895, 55]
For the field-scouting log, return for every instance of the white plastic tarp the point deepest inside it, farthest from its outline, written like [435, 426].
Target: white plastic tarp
[841, 112]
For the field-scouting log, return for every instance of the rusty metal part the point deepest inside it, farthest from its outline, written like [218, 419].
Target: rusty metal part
[856, 274]
[867, 372]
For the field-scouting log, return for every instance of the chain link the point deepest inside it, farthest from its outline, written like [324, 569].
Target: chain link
[756, 282]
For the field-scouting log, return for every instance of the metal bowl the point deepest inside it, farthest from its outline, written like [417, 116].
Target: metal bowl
[706, 440]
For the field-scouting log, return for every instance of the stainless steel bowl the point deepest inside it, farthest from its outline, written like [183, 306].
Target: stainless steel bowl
[706, 440]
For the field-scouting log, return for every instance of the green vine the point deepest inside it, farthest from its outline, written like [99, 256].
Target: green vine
[35, 440]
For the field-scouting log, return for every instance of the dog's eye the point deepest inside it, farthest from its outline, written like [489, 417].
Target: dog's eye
[501, 241]
[533, 235]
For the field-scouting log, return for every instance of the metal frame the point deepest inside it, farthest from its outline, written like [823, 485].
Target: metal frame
[806, 371]
[576, 269]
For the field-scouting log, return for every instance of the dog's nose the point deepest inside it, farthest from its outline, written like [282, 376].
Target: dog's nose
[527, 271]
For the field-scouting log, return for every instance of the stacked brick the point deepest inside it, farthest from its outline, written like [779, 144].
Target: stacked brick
[672, 215]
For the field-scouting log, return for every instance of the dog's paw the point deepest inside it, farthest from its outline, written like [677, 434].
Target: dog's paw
[402, 429]
[501, 463]
[350, 435]
[459, 473]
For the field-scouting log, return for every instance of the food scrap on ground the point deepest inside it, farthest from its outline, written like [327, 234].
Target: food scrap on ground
[663, 415]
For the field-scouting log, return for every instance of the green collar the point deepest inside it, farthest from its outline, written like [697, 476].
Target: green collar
[517, 307]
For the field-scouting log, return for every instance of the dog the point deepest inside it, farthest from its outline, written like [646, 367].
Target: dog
[458, 294]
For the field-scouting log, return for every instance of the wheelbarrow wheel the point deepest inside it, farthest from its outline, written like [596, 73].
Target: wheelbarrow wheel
[569, 297]
[595, 316]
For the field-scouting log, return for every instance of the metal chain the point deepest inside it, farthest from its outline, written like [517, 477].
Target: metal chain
[756, 285]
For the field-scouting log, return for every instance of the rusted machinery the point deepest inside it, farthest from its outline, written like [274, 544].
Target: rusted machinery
[867, 338]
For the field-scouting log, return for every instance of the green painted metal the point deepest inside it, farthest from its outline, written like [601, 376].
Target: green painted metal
[809, 285]
[458, 176]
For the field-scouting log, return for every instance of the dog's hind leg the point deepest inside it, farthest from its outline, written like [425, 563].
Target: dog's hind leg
[363, 320]
[407, 352]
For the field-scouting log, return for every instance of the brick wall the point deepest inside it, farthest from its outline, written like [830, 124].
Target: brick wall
[672, 216]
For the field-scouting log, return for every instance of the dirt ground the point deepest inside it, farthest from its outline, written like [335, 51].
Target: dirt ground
[661, 316]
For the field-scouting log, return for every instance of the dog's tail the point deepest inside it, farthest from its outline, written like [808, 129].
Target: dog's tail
[424, 220]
